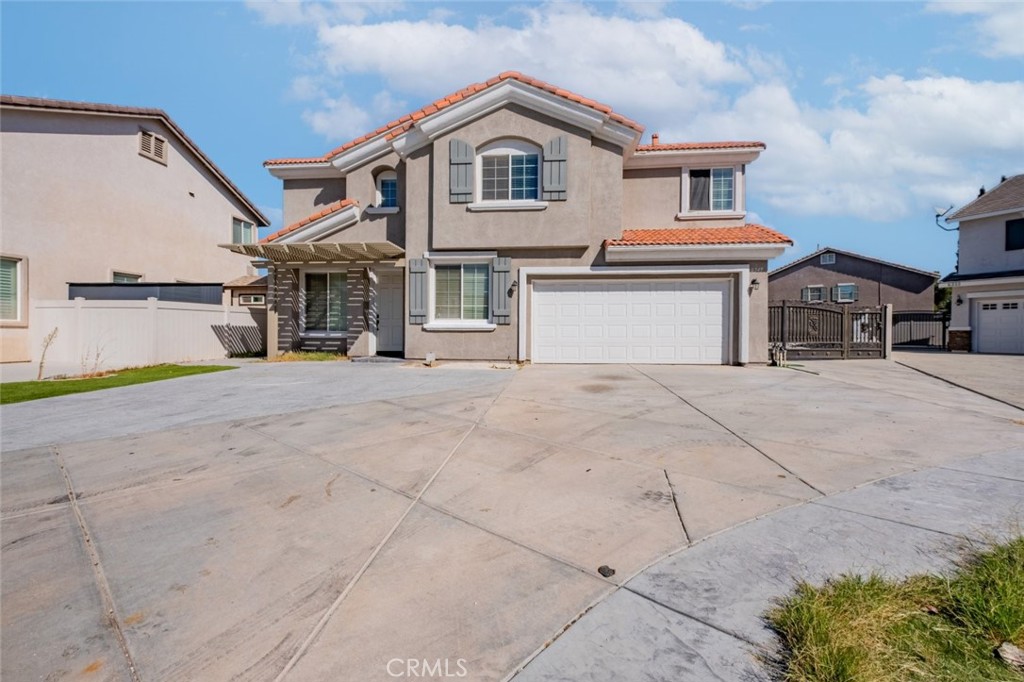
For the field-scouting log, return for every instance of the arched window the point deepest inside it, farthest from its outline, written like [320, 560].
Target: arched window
[509, 170]
[387, 189]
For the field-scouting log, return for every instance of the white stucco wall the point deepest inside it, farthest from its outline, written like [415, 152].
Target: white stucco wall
[983, 246]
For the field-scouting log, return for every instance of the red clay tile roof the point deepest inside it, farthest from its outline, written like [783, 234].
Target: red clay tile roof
[332, 208]
[39, 103]
[696, 236]
[403, 124]
[687, 146]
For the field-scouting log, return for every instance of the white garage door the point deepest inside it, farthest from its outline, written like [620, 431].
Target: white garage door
[1000, 326]
[641, 321]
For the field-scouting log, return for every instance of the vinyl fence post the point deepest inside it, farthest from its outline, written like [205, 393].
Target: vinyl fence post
[887, 331]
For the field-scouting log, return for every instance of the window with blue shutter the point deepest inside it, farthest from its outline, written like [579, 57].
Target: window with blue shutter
[460, 172]
[556, 161]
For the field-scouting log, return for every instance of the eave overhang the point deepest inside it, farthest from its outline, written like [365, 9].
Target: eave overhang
[692, 157]
[675, 253]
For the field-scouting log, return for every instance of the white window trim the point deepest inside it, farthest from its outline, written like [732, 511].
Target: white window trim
[320, 333]
[242, 301]
[738, 193]
[824, 292]
[845, 300]
[506, 147]
[456, 258]
[20, 291]
[378, 198]
[254, 233]
[822, 261]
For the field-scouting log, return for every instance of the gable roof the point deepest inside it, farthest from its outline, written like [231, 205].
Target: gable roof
[42, 104]
[850, 254]
[751, 233]
[247, 281]
[405, 123]
[1008, 195]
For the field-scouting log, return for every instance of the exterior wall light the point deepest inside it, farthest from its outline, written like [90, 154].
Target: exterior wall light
[512, 289]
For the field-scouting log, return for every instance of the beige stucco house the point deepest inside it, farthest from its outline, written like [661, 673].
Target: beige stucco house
[514, 220]
[102, 193]
[988, 285]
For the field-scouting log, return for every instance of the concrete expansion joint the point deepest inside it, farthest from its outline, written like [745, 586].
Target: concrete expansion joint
[690, 616]
[333, 608]
[98, 573]
[734, 433]
[953, 383]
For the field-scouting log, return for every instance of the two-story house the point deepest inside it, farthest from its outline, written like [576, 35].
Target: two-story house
[988, 285]
[834, 276]
[515, 220]
[103, 193]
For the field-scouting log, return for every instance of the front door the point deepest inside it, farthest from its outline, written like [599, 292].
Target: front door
[390, 304]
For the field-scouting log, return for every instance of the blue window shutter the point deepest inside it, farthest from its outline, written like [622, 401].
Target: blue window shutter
[805, 294]
[418, 291]
[855, 292]
[556, 161]
[460, 172]
[501, 280]
[835, 293]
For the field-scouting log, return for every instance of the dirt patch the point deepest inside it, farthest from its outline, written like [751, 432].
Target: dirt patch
[597, 388]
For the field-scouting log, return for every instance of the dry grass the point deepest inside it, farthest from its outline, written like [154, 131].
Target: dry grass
[924, 628]
[308, 356]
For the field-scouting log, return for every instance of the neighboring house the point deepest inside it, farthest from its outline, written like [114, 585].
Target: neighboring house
[247, 290]
[988, 285]
[100, 193]
[516, 220]
[832, 276]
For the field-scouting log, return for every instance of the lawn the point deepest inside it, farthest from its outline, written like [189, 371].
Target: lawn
[924, 628]
[21, 391]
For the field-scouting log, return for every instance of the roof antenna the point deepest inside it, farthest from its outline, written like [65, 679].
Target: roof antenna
[940, 213]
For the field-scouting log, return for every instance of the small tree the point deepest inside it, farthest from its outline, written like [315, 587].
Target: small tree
[943, 299]
[47, 342]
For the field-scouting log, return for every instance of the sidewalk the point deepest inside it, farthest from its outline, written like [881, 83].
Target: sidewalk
[696, 615]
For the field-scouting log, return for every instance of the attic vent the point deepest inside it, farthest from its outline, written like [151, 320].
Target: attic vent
[152, 146]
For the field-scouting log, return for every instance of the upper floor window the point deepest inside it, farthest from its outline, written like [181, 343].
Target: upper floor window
[387, 189]
[125, 278]
[510, 171]
[152, 146]
[712, 189]
[827, 259]
[10, 289]
[1015, 234]
[242, 232]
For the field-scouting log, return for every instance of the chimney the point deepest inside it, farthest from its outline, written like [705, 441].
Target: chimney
[654, 138]
[981, 192]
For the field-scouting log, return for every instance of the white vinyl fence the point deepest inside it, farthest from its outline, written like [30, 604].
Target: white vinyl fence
[103, 335]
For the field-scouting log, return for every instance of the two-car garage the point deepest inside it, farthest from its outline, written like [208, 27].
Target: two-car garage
[649, 321]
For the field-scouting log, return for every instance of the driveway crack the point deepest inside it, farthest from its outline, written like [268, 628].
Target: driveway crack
[675, 503]
[110, 610]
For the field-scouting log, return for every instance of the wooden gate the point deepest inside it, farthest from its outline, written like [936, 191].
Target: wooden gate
[824, 331]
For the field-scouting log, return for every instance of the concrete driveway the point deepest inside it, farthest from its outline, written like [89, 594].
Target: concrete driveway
[337, 521]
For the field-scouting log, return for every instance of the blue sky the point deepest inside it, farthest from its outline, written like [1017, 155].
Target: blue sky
[873, 113]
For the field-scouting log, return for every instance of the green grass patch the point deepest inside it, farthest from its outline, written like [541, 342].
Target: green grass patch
[921, 629]
[20, 391]
[308, 356]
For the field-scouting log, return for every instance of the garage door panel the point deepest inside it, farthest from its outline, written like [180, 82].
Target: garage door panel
[656, 321]
[999, 326]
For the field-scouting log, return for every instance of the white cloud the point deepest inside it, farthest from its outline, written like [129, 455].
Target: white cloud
[912, 143]
[339, 119]
[999, 25]
[643, 62]
[296, 12]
